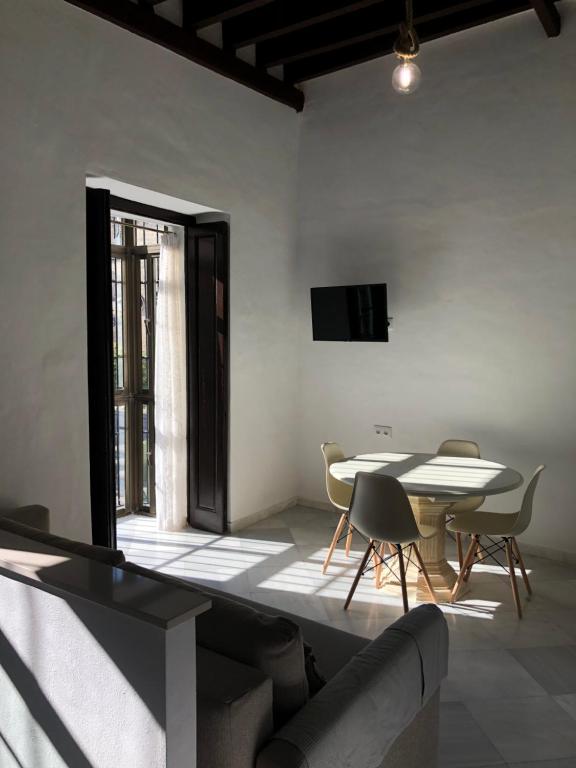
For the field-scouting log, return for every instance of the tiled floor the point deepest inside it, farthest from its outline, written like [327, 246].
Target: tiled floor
[510, 698]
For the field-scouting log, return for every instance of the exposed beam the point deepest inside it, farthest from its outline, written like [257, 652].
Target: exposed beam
[159, 30]
[283, 17]
[315, 66]
[549, 16]
[202, 13]
[377, 21]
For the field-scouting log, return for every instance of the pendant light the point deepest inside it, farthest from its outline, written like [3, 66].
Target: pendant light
[407, 75]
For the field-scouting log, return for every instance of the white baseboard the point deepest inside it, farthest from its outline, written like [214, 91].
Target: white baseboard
[314, 504]
[262, 514]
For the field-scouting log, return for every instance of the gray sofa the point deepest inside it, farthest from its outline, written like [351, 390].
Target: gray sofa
[279, 691]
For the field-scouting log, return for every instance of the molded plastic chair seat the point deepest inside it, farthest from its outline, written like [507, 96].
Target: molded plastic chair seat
[467, 449]
[381, 512]
[484, 523]
[503, 526]
[340, 495]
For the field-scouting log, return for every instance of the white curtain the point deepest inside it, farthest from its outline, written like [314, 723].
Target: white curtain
[170, 388]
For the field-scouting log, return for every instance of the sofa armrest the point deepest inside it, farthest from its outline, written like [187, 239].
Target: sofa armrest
[34, 515]
[234, 711]
[361, 711]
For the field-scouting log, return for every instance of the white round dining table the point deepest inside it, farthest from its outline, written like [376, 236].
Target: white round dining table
[433, 483]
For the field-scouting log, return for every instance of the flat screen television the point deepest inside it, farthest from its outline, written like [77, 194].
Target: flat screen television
[350, 313]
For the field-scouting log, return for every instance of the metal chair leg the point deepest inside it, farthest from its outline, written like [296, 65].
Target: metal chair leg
[513, 582]
[337, 534]
[358, 576]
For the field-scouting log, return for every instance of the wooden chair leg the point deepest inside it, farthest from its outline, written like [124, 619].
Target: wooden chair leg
[379, 556]
[460, 552]
[425, 573]
[516, 548]
[358, 576]
[467, 560]
[402, 577]
[477, 550]
[513, 582]
[349, 539]
[337, 534]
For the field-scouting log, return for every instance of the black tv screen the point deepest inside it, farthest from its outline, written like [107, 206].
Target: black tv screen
[350, 313]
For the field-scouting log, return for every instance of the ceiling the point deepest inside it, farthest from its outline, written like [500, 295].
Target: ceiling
[273, 46]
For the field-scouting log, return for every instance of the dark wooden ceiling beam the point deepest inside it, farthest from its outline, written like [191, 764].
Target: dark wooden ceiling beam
[549, 16]
[377, 21]
[139, 21]
[323, 64]
[202, 13]
[282, 17]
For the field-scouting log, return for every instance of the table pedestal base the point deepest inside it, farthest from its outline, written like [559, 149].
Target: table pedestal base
[442, 575]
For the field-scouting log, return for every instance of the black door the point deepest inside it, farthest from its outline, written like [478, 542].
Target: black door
[207, 310]
[207, 354]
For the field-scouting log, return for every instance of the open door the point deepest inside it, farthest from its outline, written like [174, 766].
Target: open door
[207, 311]
[206, 261]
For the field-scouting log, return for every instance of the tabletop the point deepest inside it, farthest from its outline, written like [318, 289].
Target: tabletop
[427, 474]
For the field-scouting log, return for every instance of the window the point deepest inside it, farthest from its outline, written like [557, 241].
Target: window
[135, 248]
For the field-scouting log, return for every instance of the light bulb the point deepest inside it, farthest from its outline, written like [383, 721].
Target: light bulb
[406, 77]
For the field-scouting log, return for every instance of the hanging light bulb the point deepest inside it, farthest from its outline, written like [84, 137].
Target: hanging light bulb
[407, 75]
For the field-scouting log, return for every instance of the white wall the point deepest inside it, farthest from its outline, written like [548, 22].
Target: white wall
[462, 197]
[80, 95]
[144, 675]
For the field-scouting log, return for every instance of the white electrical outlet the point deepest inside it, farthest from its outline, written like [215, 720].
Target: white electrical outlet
[382, 430]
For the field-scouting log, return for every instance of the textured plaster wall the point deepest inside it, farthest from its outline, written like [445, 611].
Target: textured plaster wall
[462, 197]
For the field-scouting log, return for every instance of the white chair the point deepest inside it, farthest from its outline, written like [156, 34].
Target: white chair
[501, 531]
[470, 450]
[380, 510]
[339, 494]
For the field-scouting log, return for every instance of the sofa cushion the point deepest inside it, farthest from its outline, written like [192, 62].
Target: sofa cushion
[267, 642]
[90, 551]
[34, 515]
[234, 711]
[333, 648]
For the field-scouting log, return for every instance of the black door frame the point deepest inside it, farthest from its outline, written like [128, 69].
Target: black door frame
[215, 318]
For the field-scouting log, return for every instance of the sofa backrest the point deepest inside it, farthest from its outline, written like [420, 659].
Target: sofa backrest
[268, 643]
[91, 551]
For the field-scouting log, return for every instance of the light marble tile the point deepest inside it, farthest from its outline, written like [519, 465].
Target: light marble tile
[278, 562]
[553, 667]
[492, 674]
[556, 594]
[524, 729]
[565, 620]
[462, 742]
[533, 630]
[568, 703]
[568, 762]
